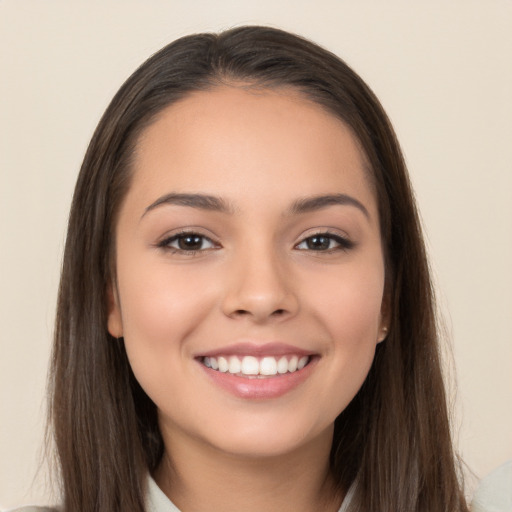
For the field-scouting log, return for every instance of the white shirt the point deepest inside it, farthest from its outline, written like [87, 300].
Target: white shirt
[157, 501]
[494, 493]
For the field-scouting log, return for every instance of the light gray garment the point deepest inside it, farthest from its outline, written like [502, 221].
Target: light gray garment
[157, 501]
[494, 494]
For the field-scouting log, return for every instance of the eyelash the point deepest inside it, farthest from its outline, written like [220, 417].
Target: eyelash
[342, 243]
[166, 243]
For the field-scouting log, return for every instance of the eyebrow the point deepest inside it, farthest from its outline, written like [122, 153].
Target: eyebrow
[201, 201]
[310, 204]
[214, 203]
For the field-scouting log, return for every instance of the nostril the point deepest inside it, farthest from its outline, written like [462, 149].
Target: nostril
[278, 312]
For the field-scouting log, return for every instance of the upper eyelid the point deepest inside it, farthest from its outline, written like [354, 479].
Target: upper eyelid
[165, 242]
[344, 241]
[326, 231]
[334, 232]
[189, 231]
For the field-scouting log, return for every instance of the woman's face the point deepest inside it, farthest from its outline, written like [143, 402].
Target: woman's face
[250, 272]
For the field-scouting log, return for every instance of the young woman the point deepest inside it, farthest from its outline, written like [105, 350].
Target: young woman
[246, 318]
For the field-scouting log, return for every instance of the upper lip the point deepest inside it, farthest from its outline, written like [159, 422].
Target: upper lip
[256, 349]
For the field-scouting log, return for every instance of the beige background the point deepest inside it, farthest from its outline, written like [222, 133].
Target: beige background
[442, 70]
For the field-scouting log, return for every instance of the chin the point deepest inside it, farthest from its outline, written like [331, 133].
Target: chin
[272, 441]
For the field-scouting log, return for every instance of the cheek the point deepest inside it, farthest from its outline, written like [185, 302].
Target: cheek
[350, 302]
[348, 309]
[155, 298]
[160, 308]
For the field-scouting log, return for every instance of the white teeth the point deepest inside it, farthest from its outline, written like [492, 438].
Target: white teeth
[252, 366]
[302, 362]
[268, 366]
[234, 365]
[292, 363]
[282, 365]
[223, 364]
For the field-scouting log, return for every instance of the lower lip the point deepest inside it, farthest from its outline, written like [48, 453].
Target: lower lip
[260, 388]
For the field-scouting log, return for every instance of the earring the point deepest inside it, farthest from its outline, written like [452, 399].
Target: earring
[383, 334]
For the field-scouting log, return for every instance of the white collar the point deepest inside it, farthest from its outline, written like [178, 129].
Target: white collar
[157, 501]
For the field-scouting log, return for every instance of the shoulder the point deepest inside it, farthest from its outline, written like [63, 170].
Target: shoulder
[494, 493]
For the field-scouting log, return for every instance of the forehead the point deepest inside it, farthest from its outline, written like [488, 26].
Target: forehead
[276, 142]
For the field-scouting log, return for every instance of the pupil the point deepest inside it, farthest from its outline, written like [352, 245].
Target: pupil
[190, 242]
[318, 243]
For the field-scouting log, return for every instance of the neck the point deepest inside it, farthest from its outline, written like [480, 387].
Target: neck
[198, 477]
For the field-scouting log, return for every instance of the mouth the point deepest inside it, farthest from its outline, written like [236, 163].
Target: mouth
[258, 371]
[252, 367]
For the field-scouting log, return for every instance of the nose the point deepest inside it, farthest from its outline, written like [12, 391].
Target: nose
[260, 287]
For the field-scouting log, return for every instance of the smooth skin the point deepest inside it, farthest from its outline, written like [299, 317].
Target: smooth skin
[260, 262]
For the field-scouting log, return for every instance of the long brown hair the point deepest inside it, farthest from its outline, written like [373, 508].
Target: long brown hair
[393, 438]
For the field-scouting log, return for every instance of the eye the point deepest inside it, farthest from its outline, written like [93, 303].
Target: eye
[324, 242]
[187, 243]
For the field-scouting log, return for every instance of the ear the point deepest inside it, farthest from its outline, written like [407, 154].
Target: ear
[115, 321]
[385, 317]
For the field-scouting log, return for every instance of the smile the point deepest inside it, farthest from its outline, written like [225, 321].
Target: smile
[256, 367]
[258, 371]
